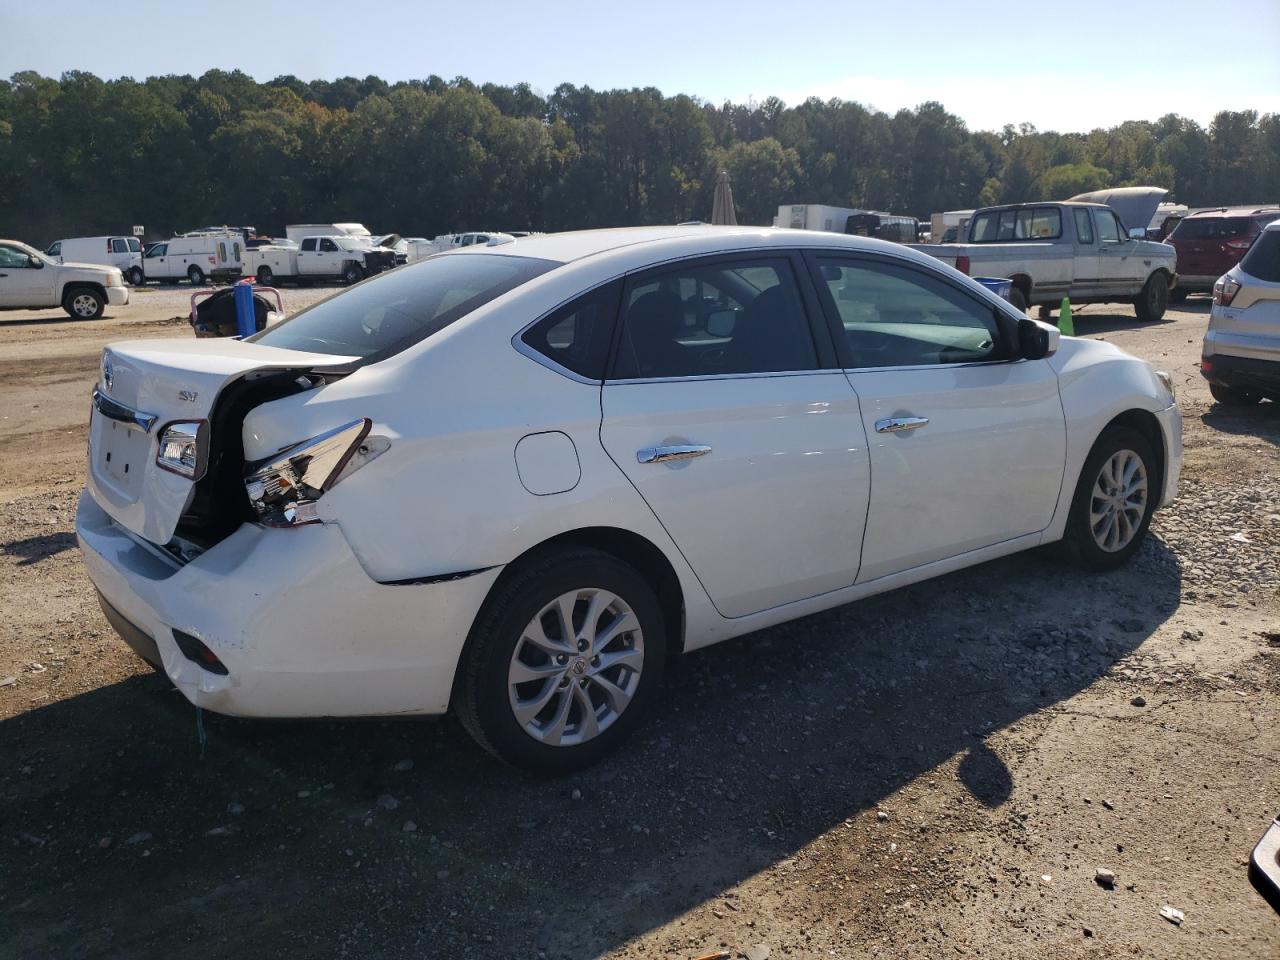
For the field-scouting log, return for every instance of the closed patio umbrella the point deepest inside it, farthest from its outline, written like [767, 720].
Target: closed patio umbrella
[722, 207]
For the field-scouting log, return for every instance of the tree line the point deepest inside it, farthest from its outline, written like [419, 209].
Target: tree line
[80, 155]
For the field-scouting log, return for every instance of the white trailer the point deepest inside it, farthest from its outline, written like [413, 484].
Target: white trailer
[941, 224]
[814, 216]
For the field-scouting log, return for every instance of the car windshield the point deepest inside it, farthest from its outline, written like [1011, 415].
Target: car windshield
[383, 316]
[1209, 228]
[1263, 259]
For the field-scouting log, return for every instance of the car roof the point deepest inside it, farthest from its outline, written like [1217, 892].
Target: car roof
[639, 244]
[1246, 211]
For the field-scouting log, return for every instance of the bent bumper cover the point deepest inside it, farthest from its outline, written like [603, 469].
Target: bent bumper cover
[300, 626]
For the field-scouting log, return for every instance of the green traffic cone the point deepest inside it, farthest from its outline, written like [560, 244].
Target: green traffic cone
[1064, 319]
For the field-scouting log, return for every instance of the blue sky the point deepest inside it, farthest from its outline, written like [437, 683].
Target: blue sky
[1065, 66]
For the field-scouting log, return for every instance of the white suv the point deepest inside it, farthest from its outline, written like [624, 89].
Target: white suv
[513, 480]
[1241, 356]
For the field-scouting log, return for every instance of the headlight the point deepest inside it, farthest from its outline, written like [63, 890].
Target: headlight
[284, 487]
[1167, 382]
[184, 448]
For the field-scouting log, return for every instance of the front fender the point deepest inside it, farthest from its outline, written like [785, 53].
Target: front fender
[1099, 382]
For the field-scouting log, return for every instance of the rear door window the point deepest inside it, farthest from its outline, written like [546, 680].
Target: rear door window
[719, 318]
[1210, 228]
[309, 244]
[394, 310]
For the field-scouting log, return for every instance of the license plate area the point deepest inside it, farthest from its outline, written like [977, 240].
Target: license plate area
[120, 455]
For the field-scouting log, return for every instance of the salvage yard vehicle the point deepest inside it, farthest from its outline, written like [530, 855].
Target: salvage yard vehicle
[197, 257]
[31, 281]
[1053, 250]
[1241, 353]
[512, 481]
[1211, 242]
[346, 258]
[123, 253]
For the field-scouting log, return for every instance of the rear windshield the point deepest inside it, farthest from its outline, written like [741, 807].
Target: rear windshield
[383, 316]
[1263, 259]
[1210, 228]
[1026, 223]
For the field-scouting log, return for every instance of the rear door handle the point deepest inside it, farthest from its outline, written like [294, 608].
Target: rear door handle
[901, 424]
[668, 454]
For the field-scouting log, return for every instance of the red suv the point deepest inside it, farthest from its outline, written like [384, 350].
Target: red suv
[1211, 242]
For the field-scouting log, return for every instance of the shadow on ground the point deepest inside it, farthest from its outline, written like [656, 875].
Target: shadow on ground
[756, 748]
[34, 549]
[1261, 421]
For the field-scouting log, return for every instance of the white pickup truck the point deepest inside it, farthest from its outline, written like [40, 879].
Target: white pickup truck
[31, 281]
[1053, 250]
[346, 258]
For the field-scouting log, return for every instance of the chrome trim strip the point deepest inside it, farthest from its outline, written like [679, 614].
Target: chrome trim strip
[672, 452]
[901, 424]
[113, 410]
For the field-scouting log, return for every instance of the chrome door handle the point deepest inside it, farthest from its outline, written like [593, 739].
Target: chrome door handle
[901, 424]
[668, 454]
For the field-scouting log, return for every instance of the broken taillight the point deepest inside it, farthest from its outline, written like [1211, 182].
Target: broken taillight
[284, 488]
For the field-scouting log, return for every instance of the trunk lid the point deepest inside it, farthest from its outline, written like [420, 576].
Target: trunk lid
[145, 385]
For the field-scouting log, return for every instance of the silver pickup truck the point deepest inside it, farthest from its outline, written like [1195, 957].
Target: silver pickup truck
[1053, 250]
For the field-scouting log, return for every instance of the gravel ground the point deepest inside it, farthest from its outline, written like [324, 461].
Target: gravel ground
[937, 771]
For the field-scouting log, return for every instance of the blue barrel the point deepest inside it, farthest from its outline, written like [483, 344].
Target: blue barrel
[246, 318]
[1001, 288]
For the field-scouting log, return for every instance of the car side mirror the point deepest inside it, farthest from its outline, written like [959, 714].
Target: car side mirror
[1137, 233]
[1037, 340]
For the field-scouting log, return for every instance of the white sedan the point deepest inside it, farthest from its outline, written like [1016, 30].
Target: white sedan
[512, 481]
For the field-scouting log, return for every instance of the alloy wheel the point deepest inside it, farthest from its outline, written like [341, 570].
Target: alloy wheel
[1118, 501]
[576, 667]
[85, 306]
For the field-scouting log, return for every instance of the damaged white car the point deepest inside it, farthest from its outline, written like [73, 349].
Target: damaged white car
[513, 481]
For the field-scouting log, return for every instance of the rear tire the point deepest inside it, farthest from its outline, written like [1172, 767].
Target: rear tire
[1151, 303]
[195, 275]
[1115, 496]
[552, 731]
[351, 273]
[265, 276]
[1234, 396]
[136, 276]
[84, 303]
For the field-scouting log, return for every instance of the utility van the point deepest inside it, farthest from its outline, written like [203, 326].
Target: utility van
[195, 257]
[123, 253]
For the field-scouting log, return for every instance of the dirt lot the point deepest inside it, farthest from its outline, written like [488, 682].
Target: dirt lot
[935, 772]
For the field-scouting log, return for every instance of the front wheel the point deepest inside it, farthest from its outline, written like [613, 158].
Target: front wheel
[195, 275]
[1234, 396]
[84, 304]
[562, 661]
[1115, 497]
[136, 276]
[1151, 303]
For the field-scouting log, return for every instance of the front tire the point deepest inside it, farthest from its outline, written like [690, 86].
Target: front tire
[562, 661]
[1115, 498]
[84, 303]
[1152, 301]
[195, 275]
[1234, 396]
